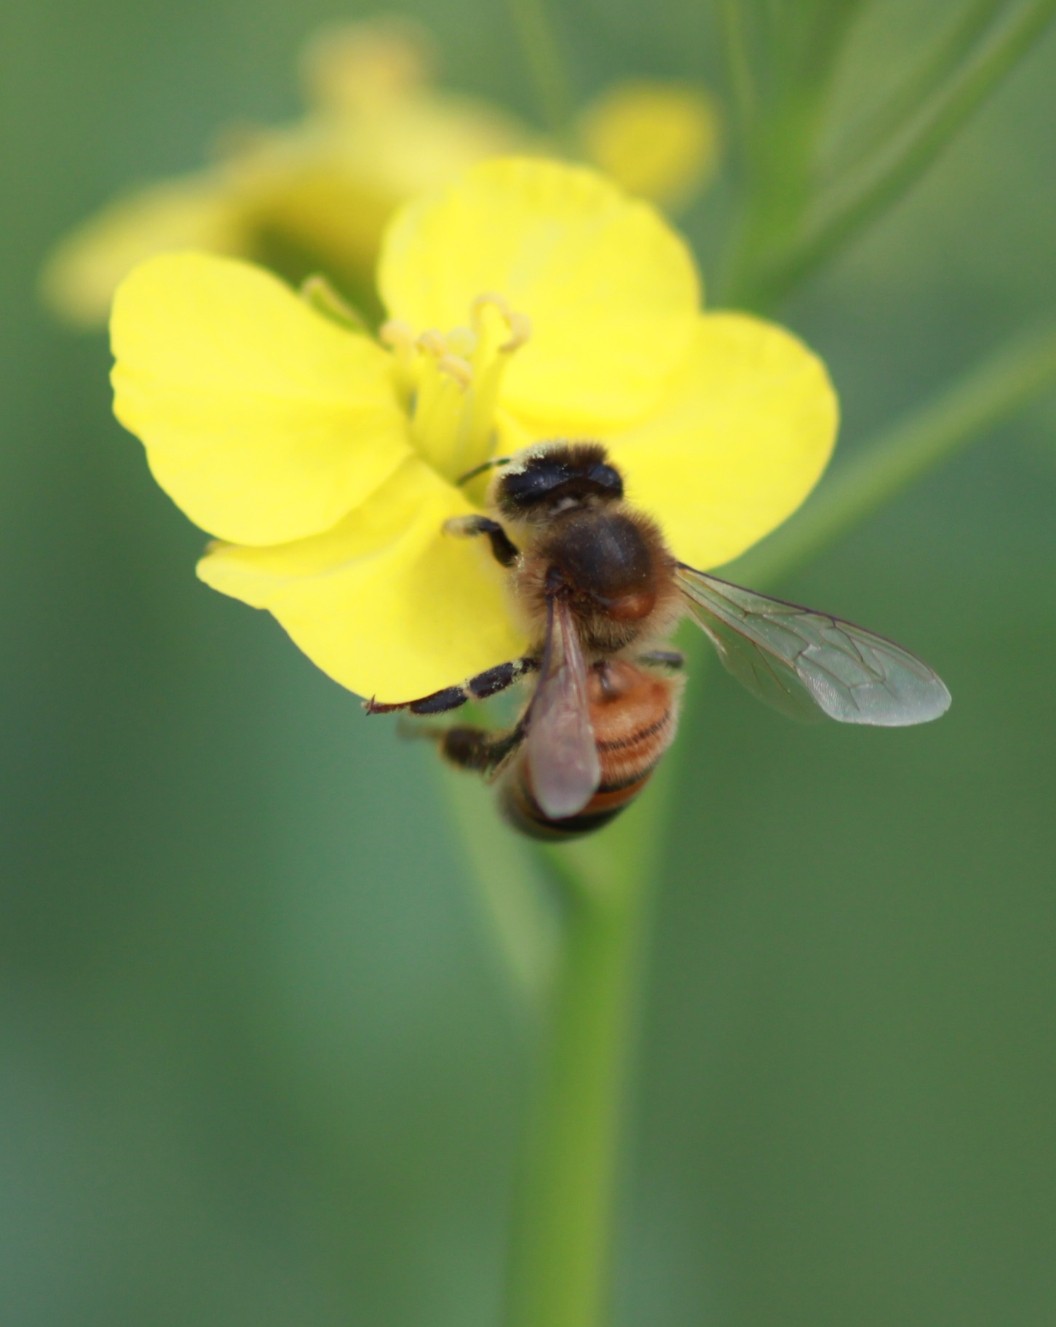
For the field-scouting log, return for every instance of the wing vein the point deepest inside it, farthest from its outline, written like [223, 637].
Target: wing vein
[808, 663]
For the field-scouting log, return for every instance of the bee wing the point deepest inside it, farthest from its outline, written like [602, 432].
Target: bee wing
[803, 662]
[561, 750]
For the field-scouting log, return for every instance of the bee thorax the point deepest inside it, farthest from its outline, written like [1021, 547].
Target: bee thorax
[606, 560]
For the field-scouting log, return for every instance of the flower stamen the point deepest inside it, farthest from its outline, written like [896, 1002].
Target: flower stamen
[518, 324]
[449, 381]
[461, 370]
[399, 337]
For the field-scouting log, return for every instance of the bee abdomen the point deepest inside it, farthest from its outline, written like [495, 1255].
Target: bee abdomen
[628, 752]
[524, 813]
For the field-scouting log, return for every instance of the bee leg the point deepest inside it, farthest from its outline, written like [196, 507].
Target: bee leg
[479, 687]
[673, 660]
[477, 749]
[505, 553]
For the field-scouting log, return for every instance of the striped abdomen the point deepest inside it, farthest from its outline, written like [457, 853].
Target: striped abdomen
[634, 714]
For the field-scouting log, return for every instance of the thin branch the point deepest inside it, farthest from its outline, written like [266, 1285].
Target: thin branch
[908, 101]
[965, 94]
[542, 52]
[739, 65]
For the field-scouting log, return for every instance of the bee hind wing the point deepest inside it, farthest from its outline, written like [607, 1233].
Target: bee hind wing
[561, 750]
[807, 663]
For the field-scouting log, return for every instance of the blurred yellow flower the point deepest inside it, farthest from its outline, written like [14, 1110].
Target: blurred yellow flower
[529, 300]
[655, 140]
[317, 195]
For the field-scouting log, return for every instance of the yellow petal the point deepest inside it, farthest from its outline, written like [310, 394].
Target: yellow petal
[311, 202]
[262, 420]
[350, 67]
[330, 184]
[656, 140]
[610, 289]
[83, 272]
[739, 443]
[385, 603]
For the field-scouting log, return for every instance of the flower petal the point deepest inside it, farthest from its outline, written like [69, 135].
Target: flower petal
[610, 289]
[197, 212]
[349, 67]
[385, 603]
[330, 184]
[656, 140]
[262, 420]
[737, 445]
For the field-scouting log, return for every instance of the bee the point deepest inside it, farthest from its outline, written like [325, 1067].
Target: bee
[602, 592]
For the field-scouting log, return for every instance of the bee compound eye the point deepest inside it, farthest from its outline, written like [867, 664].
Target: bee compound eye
[608, 479]
[533, 484]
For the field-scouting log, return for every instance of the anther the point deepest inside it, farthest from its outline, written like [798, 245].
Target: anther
[456, 367]
[397, 333]
[432, 342]
[462, 342]
[520, 326]
[489, 297]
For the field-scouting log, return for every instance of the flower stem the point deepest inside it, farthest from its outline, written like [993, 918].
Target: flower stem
[562, 1231]
[563, 1227]
[742, 79]
[509, 892]
[907, 451]
[798, 47]
[884, 186]
[542, 52]
[905, 103]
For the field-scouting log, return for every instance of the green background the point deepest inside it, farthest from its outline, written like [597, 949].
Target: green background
[259, 1063]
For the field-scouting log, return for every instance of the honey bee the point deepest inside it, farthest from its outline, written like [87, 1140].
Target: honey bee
[602, 592]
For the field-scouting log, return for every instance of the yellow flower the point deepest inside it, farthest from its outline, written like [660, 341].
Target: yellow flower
[656, 140]
[318, 194]
[529, 300]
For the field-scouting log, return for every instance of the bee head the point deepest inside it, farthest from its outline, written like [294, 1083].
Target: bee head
[553, 477]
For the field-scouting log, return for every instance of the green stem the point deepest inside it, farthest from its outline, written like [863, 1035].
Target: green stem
[739, 66]
[562, 1234]
[542, 52]
[906, 102]
[799, 55]
[886, 467]
[828, 25]
[562, 1231]
[510, 892]
[886, 185]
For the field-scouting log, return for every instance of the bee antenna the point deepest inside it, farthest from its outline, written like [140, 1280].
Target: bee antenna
[480, 469]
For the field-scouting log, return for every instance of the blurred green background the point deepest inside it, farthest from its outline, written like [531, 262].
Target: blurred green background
[259, 1065]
